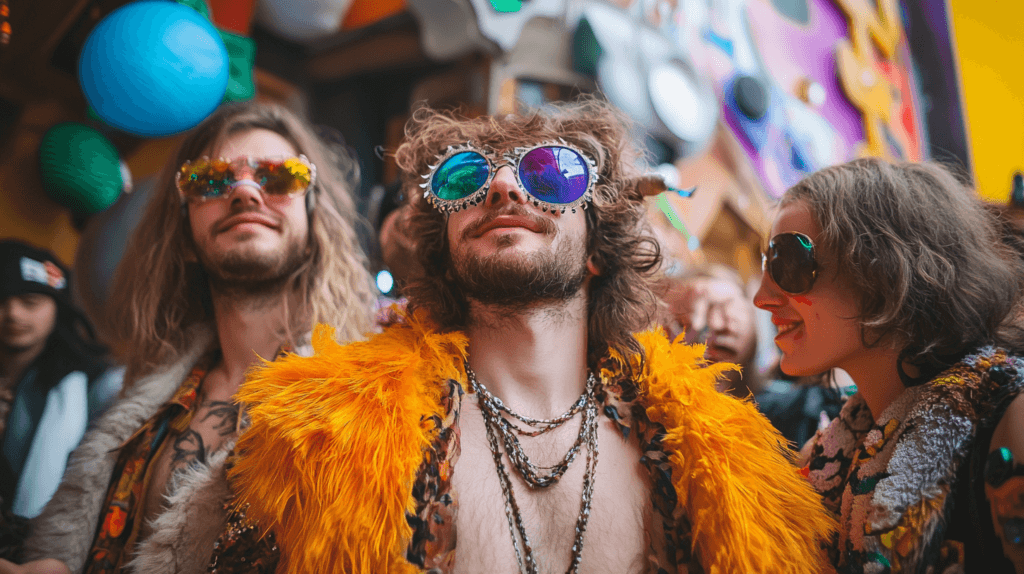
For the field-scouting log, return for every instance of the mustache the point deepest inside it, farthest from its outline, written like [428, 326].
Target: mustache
[544, 224]
[219, 225]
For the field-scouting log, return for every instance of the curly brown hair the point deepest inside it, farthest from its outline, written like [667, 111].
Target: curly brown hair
[621, 301]
[924, 254]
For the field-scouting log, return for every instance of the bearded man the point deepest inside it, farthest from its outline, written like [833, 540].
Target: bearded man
[247, 242]
[465, 437]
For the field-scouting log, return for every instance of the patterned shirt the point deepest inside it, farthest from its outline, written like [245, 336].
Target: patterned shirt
[122, 512]
[432, 547]
[893, 481]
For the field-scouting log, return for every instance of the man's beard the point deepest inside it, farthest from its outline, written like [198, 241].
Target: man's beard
[514, 281]
[246, 274]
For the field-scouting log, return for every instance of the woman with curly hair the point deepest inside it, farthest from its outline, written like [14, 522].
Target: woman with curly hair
[895, 273]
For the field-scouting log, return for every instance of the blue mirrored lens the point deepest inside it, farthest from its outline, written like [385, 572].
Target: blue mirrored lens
[460, 175]
[554, 174]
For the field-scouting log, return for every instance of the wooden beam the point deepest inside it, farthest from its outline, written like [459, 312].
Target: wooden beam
[396, 49]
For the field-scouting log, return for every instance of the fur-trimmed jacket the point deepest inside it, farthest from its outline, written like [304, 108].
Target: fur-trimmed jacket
[183, 535]
[338, 441]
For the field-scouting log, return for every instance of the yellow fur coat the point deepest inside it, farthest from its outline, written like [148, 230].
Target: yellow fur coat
[337, 439]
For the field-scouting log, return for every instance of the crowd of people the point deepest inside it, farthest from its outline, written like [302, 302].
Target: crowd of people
[543, 399]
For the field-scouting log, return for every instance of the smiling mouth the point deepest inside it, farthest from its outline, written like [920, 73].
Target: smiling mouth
[509, 219]
[237, 223]
[788, 328]
[504, 228]
[231, 224]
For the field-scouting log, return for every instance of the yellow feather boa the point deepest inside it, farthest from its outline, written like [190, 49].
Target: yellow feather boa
[337, 440]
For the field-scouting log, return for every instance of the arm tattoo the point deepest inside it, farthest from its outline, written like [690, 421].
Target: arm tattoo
[225, 416]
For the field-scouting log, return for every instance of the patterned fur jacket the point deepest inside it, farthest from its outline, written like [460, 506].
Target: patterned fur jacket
[183, 535]
[907, 486]
[338, 441]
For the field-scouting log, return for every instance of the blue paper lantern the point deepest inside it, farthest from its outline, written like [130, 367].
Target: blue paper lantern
[154, 68]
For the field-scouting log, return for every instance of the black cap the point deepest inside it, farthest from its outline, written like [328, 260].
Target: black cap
[28, 269]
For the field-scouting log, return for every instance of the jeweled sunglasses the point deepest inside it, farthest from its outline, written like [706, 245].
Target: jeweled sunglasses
[789, 261]
[555, 176]
[207, 178]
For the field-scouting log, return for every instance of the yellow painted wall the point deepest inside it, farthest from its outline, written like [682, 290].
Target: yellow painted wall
[990, 42]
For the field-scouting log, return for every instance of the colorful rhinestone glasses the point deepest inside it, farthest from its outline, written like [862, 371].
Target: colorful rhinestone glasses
[555, 176]
[207, 178]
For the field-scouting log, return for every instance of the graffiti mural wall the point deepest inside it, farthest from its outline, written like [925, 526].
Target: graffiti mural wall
[801, 83]
[741, 98]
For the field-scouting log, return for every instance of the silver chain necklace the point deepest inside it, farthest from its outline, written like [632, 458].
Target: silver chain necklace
[538, 476]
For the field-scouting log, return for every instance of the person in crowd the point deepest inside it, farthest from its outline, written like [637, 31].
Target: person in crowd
[246, 244]
[895, 273]
[708, 305]
[54, 376]
[465, 437]
[801, 406]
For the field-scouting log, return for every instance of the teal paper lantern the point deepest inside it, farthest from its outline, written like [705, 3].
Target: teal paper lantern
[80, 168]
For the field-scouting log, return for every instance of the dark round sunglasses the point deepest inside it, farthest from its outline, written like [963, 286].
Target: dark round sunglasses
[555, 176]
[1000, 467]
[789, 261]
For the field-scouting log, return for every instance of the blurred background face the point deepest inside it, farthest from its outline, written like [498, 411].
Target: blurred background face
[247, 236]
[716, 312]
[818, 330]
[26, 321]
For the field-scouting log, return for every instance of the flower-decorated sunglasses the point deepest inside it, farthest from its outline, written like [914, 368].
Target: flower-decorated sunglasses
[555, 176]
[789, 261]
[207, 178]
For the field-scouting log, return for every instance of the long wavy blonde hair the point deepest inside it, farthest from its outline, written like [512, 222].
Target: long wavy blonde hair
[160, 289]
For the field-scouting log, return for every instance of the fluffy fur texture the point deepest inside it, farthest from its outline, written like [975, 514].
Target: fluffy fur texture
[890, 481]
[336, 442]
[750, 509]
[183, 535]
[66, 527]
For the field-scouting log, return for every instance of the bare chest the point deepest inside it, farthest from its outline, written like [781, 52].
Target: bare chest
[214, 423]
[614, 541]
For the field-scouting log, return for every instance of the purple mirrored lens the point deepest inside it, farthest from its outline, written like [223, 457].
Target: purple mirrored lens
[554, 174]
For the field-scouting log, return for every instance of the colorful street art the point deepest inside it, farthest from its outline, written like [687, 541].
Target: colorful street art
[741, 98]
[802, 84]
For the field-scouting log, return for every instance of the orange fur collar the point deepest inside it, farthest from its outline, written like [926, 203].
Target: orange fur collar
[337, 439]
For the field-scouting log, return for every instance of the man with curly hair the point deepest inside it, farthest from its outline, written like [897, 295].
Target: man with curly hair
[466, 437]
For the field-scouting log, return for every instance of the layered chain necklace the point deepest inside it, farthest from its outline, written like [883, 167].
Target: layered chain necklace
[538, 476]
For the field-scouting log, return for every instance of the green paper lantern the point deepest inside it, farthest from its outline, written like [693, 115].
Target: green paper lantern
[80, 168]
[241, 59]
[197, 5]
